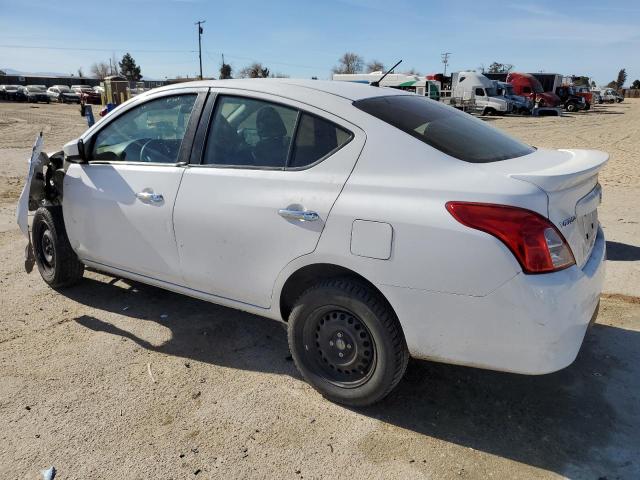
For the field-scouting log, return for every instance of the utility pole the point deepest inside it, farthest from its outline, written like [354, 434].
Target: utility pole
[445, 61]
[199, 24]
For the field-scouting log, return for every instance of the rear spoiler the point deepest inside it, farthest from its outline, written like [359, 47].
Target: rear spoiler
[575, 167]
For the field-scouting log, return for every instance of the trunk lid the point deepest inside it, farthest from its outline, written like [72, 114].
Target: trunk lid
[569, 178]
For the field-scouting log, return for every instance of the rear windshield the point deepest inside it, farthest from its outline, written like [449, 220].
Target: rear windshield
[453, 132]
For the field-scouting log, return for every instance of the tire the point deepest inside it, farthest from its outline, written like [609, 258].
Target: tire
[57, 262]
[346, 341]
[489, 112]
[572, 107]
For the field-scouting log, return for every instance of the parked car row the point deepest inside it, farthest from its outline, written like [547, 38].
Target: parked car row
[56, 93]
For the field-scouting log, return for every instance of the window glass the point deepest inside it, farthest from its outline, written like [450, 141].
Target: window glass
[526, 89]
[453, 132]
[315, 139]
[251, 133]
[151, 132]
[479, 92]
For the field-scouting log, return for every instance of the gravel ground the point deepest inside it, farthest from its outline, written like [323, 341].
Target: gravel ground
[113, 379]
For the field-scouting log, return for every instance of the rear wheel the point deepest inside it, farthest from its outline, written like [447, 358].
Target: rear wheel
[57, 262]
[347, 342]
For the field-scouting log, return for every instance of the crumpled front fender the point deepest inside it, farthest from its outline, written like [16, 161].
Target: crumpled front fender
[33, 191]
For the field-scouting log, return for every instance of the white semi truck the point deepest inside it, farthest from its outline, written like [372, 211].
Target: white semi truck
[411, 83]
[473, 91]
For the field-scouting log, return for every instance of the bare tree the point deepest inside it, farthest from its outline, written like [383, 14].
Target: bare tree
[255, 70]
[375, 66]
[80, 73]
[349, 63]
[114, 65]
[100, 70]
[496, 67]
[412, 71]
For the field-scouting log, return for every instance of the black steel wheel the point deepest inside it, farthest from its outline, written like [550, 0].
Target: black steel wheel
[57, 262]
[347, 342]
[342, 348]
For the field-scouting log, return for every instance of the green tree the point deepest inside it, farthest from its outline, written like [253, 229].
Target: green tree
[581, 81]
[622, 77]
[612, 84]
[636, 84]
[349, 63]
[225, 71]
[129, 69]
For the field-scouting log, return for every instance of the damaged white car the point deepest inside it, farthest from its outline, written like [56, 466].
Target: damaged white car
[378, 224]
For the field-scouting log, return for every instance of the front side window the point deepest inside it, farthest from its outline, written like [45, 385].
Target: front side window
[526, 89]
[151, 132]
[479, 92]
[452, 132]
[250, 133]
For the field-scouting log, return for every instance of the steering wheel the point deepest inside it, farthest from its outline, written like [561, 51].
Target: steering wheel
[156, 151]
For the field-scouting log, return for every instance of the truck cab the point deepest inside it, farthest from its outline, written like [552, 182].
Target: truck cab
[584, 92]
[570, 101]
[520, 104]
[527, 85]
[478, 92]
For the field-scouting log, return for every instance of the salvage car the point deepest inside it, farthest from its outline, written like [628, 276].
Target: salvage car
[35, 94]
[87, 94]
[9, 92]
[63, 94]
[376, 223]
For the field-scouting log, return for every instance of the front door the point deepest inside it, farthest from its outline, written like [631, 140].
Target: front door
[270, 172]
[118, 206]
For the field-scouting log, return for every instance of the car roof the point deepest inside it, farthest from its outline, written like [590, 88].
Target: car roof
[289, 87]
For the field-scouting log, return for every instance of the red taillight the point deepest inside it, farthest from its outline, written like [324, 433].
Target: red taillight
[535, 241]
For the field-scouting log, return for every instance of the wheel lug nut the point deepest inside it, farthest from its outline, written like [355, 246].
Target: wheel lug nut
[341, 354]
[339, 335]
[348, 345]
[331, 343]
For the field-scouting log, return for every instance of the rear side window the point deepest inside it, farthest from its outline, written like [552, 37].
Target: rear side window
[452, 132]
[250, 133]
[316, 138]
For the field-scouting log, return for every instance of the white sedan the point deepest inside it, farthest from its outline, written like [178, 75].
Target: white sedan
[376, 223]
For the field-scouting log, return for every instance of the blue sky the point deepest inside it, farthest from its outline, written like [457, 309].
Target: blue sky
[304, 39]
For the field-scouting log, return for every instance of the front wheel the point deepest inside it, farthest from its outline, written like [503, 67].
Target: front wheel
[347, 342]
[572, 107]
[57, 262]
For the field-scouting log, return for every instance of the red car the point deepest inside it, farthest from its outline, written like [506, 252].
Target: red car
[87, 94]
[526, 85]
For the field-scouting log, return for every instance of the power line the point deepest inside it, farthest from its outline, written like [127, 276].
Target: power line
[44, 47]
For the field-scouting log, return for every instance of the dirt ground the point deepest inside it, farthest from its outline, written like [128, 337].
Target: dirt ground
[117, 380]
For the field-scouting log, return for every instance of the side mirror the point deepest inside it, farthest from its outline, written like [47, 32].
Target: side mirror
[74, 152]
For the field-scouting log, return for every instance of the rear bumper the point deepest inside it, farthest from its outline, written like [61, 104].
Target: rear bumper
[532, 324]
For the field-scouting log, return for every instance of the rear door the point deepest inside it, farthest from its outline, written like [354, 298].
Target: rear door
[118, 207]
[262, 183]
